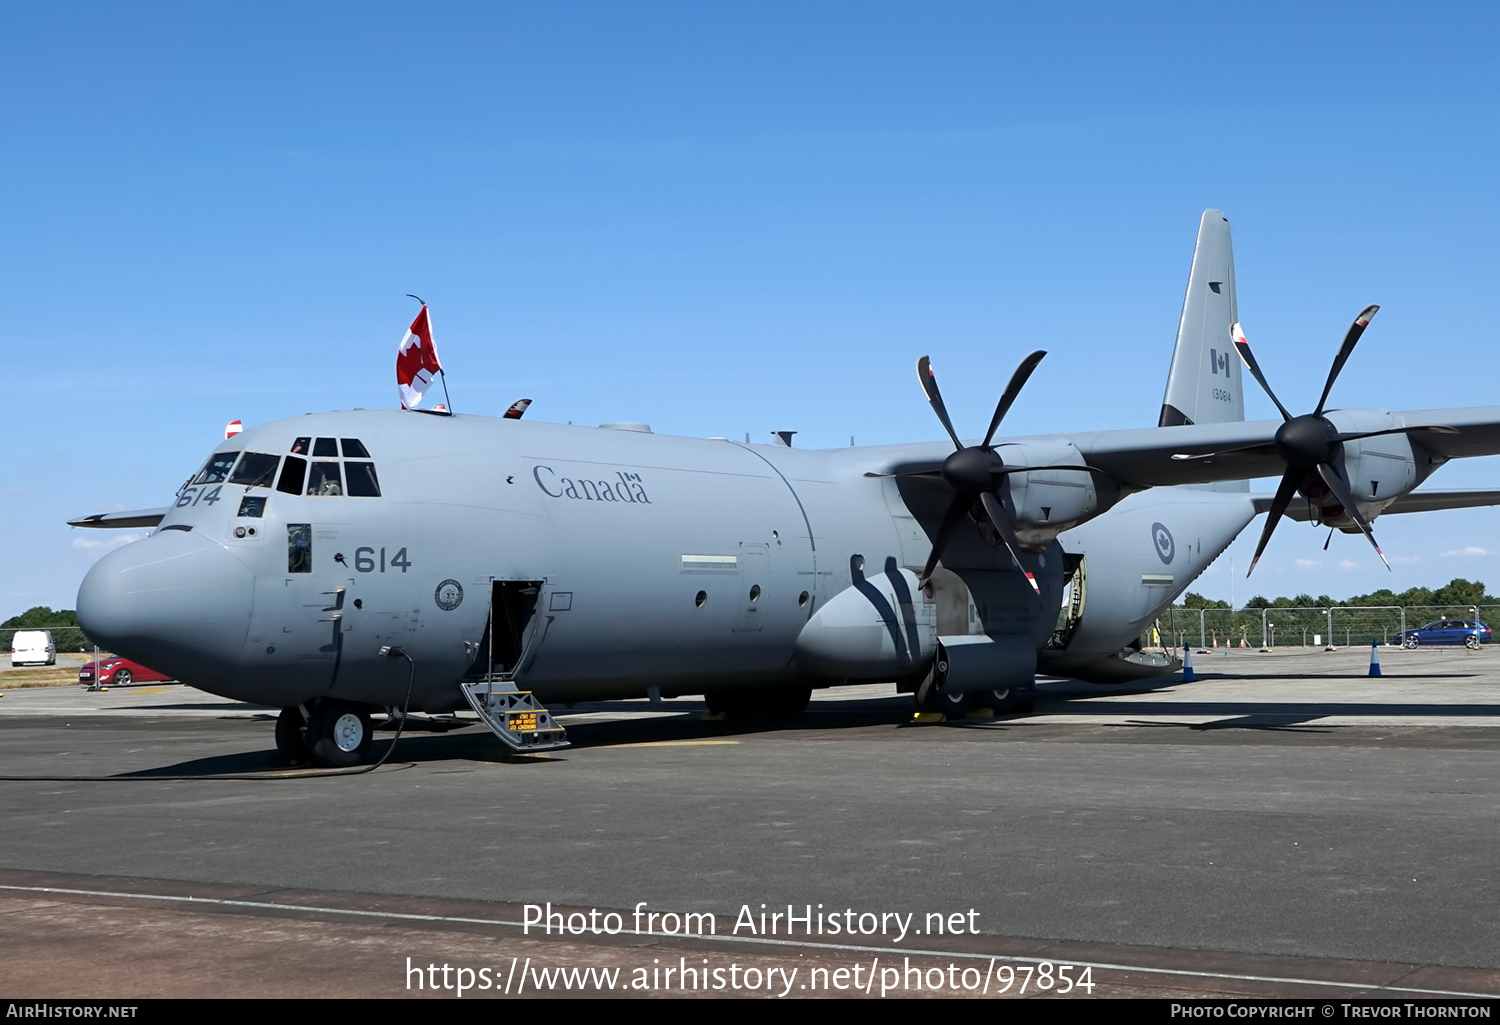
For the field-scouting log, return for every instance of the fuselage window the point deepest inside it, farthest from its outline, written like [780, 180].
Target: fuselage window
[299, 547]
[325, 480]
[255, 470]
[325, 447]
[362, 480]
[292, 472]
[302, 447]
[353, 449]
[217, 468]
[253, 506]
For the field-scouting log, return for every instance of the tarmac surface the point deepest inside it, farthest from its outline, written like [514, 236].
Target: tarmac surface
[1284, 826]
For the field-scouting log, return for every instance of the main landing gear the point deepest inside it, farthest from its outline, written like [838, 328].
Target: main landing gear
[932, 699]
[336, 734]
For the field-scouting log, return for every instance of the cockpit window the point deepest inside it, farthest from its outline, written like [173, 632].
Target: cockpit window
[327, 475]
[292, 473]
[325, 480]
[255, 469]
[216, 469]
[362, 480]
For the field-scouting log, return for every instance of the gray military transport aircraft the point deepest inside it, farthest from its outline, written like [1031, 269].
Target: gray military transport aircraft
[347, 564]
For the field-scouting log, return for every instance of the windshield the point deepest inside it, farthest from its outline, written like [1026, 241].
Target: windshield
[216, 470]
[255, 469]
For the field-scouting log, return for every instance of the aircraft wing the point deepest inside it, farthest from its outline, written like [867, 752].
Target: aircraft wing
[1149, 457]
[1137, 458]
[1416, 501]
[1152, 457]
[134, 518]
[1478, 430]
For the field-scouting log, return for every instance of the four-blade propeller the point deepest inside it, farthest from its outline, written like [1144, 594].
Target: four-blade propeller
[1310, 444]
[975, 472]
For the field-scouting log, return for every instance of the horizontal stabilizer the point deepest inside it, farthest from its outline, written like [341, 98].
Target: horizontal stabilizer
[1417, 501]
[134, 518]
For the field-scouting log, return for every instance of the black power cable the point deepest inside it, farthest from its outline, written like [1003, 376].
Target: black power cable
[353, 770]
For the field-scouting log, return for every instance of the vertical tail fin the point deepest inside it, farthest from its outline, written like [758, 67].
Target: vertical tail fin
[1203, 386]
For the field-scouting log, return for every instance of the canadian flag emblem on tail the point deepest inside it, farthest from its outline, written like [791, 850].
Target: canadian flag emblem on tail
[416, 361]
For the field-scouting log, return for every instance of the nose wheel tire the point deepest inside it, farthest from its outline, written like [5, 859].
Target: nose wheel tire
[289, 740]
[338, 734]
[787, 702]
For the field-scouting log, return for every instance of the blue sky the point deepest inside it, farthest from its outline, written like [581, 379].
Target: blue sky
[726, 217]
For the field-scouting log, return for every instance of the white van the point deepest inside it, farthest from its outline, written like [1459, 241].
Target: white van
[33, 648]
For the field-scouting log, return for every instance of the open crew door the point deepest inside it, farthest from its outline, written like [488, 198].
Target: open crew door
[510, 630]
[515, 716]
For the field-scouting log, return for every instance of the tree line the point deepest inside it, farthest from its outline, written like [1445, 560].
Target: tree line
[1320, 619]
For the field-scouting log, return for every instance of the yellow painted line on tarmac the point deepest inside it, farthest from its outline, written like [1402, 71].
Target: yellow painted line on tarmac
[676, 743]
[145, 690]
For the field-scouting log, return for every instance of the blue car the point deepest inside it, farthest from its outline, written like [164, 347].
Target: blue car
[1468, 632]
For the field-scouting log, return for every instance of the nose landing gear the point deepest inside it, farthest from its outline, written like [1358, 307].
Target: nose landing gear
[336, 735]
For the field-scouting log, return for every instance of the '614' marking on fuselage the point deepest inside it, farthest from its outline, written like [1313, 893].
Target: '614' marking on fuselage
[364, 560]
[192, 496]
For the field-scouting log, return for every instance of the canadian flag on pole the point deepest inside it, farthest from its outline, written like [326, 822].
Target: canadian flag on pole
[416, 361]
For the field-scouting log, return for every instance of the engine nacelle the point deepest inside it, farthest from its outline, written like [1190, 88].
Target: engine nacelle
[1048, 502]
[882, 628]
[1380, 469]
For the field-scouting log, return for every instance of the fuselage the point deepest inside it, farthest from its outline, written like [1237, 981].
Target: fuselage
[589, 563]
[643, 560]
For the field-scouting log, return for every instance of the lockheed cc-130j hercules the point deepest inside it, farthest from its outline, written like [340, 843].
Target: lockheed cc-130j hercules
[514, 563]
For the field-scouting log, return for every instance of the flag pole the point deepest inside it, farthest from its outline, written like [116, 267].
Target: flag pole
[446, 399]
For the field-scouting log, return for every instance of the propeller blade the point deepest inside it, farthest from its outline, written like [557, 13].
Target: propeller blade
[1355, 330]
[1283, 498]
[1002, 521]
[951, 519]
[929, 385]
[1242, 346]
[1341, 492]
[1241, 450]
[1424, 429]
[998, 471]
[1017, 382]
[1001, 470]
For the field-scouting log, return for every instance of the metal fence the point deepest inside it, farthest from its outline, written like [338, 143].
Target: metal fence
[65, 637]
[1327, 626]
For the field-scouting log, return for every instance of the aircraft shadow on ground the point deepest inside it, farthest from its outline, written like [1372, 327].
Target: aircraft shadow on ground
[684, 723]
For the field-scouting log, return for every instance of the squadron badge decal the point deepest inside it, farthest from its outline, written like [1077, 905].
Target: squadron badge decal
[449, 595]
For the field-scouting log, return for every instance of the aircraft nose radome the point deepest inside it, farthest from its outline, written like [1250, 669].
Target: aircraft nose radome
[178, 603]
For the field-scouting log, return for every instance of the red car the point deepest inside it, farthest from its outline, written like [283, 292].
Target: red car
[117, 672]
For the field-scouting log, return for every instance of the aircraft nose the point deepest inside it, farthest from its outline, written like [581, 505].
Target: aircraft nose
[178, 603]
